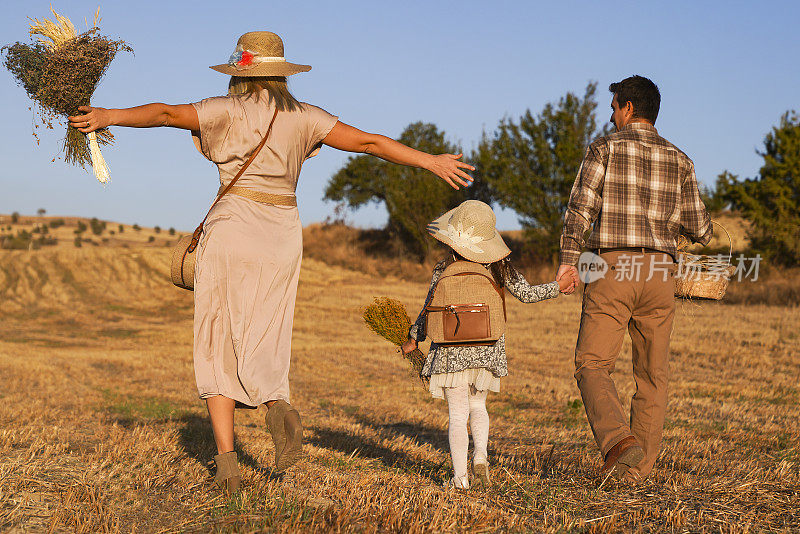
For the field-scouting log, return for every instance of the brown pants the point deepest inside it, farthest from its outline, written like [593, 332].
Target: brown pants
[646, 308]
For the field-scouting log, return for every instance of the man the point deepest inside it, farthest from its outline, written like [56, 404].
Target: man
[639, 192]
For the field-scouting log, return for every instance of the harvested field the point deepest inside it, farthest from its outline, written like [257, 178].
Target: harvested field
[101, 430]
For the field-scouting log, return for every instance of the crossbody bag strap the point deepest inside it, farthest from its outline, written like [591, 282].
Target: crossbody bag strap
[199, 231]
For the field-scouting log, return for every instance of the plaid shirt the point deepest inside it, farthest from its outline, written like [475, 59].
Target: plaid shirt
[639, 190]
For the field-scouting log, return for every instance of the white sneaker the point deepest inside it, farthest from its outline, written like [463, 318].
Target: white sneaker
[457, 483]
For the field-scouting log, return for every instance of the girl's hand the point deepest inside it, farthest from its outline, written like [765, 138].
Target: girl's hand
[448, 168]
[408, 346]
[567, 279]
[91, 119]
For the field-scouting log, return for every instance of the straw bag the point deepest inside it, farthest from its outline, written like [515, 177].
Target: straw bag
[703, 276]
[183, 254]
[467, 307]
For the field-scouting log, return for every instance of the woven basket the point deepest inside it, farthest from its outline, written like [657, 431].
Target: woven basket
[704, 277]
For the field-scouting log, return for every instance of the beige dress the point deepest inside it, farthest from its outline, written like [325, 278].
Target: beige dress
[248, 261]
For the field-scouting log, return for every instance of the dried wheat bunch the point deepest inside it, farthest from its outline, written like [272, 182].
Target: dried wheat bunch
[388, 318]
[60, 72]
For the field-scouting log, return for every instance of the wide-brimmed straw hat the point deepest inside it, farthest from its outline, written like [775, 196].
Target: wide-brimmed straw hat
[469, 229]
[259, 54]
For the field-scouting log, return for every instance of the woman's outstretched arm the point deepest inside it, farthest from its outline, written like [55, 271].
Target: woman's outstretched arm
[445, 166]
[147, 116]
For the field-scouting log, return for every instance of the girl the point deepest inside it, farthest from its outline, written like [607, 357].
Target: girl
[465, 374]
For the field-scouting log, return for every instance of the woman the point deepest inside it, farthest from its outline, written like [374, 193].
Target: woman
[248, 262]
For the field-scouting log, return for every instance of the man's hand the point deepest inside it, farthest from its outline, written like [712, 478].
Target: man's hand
[567, 278]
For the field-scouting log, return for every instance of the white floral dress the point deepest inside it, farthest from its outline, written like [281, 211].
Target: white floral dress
[480, 366]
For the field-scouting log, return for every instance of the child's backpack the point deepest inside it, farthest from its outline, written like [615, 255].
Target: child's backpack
[468, 306]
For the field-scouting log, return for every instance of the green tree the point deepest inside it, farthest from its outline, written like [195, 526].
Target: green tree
[718, 198]
[413, 197]
[771, 200]
[45, 241]
[21, 241]
[530, 164]
[15, 217]
[97, 226]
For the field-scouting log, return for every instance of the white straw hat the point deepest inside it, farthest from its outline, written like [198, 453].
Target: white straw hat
[469, 229]
[259, 54]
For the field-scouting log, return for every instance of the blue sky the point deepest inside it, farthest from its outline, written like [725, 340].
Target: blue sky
[726, 70]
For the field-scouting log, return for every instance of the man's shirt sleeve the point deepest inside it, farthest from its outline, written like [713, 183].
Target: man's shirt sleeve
[584, 204]
[695, 222]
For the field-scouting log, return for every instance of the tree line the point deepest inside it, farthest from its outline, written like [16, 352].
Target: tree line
[529, 164]
[28, 240]
[770, 201]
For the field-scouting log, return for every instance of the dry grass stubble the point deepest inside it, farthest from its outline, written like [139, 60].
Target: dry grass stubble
[100, 428]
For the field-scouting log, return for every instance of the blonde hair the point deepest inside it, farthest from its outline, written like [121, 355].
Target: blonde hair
[276, 87]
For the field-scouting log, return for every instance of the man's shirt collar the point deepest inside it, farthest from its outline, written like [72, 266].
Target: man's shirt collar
[639, 126]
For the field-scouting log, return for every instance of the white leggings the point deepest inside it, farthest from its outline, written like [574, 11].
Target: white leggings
[465, 403]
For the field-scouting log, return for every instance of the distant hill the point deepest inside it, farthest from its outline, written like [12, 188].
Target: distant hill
[368, 250]
[27, 232]
[110, 267]
[736, 226]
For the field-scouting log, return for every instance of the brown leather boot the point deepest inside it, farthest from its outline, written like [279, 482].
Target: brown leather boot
[228, 478]
[283, 422]
[274, 420]
[622, 456]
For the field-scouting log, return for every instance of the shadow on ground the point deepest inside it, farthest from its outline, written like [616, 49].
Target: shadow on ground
[373, 447]
[196, 437]
[348, 443]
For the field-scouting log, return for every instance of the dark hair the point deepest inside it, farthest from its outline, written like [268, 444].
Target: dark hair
[501, 270]
[642, 93]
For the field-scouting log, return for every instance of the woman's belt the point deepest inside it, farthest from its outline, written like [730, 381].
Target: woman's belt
[263, 198]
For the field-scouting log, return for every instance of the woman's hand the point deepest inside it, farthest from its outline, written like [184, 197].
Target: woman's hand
[408, 346]
[91, 119]
[449, 168]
